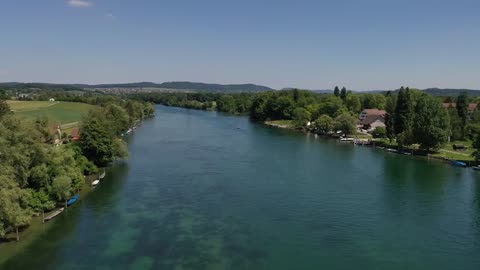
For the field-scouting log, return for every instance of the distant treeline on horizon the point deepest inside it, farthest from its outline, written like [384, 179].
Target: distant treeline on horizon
[198, 87]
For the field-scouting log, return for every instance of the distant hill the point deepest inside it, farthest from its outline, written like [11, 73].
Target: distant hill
[451, 92]
[195, 86]
[190, 86]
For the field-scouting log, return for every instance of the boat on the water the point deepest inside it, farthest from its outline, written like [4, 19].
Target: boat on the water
[54, 214]
[476, 168]
[458, 163]
[73, 200]
[96, 182]
[102, 175]
[392, 150]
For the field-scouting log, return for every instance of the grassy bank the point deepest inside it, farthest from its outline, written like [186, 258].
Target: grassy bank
[67, 114]
[281, 124]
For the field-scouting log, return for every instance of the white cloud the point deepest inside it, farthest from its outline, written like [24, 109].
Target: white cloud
[109, 16]
[80, 3]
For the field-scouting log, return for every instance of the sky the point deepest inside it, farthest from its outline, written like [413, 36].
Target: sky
[359, 44]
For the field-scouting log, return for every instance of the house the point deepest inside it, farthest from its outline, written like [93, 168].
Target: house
[371, 122]
[471, 107]
[75, 134]
[51, 99]
[371, 112]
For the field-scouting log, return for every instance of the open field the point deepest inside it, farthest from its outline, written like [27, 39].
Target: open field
[21, 106]
[63, 112]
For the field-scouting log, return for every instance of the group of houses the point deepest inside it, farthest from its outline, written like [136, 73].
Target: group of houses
[370, 119]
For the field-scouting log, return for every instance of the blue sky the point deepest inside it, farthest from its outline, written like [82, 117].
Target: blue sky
[360, 44]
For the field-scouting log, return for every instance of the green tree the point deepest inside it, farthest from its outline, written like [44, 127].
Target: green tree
[343, 94]
[462, 110]
[390, 116]
[301, 117]
[226, 104]
[353, 104]
[431, 126]
[379, 132]
[14, 211]
[96, 140]
[4, 108]
[117, 117]
[403, 117]
[476, 146]
[324, 124]
[62, 188]
[40, 202]
[336, 92]
[345, 123]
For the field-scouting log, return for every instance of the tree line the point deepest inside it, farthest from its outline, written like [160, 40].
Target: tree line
[36, 176]
[412, 116]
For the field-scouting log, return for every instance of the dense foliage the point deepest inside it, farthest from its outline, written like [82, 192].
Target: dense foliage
[35, 175]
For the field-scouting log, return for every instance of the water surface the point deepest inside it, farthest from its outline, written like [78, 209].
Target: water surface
[203, 190]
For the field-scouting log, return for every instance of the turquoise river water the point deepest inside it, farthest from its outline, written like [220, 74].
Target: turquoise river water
[202, 190]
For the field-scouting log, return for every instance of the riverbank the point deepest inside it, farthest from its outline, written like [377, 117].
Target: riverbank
[380, 144]
[10, 247]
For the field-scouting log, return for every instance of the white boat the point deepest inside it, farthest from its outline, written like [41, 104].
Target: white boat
[102, 175]
[96, 182]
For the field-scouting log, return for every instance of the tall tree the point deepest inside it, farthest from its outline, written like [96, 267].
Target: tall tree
[403, 117]
[390, 115]
[431, 125]
[96, 139]
[343, 94]
[336, 92]
[462, 111]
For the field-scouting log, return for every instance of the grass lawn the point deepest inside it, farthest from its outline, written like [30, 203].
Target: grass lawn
[63, 112]
[20, 106]
[281, 123]
[447, 151]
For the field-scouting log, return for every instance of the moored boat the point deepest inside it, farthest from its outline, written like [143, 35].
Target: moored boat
[54, 214]
[458, 163]
[73, 200]
[102, 175]
[96, 182]
[476, 168]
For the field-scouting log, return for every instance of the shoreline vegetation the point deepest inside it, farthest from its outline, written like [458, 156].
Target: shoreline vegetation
[41, 167]
[414, 122]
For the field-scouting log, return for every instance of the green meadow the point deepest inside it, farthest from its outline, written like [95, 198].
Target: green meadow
[63, 112]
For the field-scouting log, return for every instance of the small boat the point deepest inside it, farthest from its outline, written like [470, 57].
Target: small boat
[54, 214]
[476, 168]
[73, 200]
[458, 163]
[96, 182]
[346, 139]
[392, 150]
[102, 175]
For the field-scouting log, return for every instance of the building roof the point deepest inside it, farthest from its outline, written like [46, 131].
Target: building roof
[471, 106]
[75, 132]
[374, 112]
[372, 118]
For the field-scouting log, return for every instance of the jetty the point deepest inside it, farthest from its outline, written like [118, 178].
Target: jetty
[54, 214]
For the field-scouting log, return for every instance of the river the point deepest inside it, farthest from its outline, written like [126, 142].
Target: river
[202, 190]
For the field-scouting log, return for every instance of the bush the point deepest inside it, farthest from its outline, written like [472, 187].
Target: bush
[379, 132]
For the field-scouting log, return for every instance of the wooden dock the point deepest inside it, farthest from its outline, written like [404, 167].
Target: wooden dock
[54, 214]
